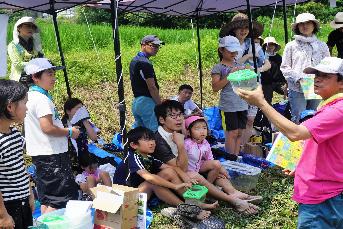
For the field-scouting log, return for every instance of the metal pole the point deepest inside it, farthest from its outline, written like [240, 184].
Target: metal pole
[251, 35]
[285, 20]
[59, 45]
[199, 59]
[117, 60]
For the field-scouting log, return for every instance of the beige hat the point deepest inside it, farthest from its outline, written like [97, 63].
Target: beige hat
[338, 21]
[238, 21]
[272, 40]
[304, 17]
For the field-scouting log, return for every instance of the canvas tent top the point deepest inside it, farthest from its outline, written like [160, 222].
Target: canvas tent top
[190, 8]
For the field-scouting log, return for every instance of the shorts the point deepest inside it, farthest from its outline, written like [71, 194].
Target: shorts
[234, 120]
[55, 180]
[21, 213]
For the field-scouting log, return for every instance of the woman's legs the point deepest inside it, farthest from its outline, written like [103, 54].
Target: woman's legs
[298, 104]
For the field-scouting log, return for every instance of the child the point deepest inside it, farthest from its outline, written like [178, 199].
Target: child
[185, 98]
[232, 108]
[200, 158]
[143, 171]
[318, 182]
[47, 139]
[16, 198]
[92, 175]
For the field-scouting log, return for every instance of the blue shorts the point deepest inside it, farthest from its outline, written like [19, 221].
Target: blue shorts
[143, 112]
[326, 215]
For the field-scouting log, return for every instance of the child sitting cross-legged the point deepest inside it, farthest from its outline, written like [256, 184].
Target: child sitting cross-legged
[200, 159]
[91, 175]
[143, 171]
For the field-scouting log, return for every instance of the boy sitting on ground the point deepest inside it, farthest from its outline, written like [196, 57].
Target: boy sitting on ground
[149, 175]
[185, 98]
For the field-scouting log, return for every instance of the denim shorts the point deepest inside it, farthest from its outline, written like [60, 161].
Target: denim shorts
[326, 215]
[143, 112]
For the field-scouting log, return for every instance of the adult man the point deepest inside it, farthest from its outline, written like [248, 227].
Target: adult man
[144, 83]
[336, 36]
[318, 182]
[170, 150]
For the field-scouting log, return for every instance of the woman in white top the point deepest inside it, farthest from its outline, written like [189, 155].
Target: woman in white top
[304, 51]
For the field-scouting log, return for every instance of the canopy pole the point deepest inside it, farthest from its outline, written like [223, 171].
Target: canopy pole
[285, 20]
[199, 59]
[251, 36]
[59, 45]
[117, 60]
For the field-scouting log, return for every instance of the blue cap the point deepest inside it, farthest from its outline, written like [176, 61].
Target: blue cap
[231, 43]
[307, 113]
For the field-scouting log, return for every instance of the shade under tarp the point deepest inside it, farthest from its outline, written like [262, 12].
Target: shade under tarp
[41, 5]
[189, 8]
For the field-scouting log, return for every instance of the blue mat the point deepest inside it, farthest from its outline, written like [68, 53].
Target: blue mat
[92, 148]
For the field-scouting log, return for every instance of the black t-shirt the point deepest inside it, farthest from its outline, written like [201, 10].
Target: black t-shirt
[336, 38]
[274, 74]
[141, 69]
[163, 152]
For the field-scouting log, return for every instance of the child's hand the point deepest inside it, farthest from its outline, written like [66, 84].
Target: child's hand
[289, 172]
[6, 221]
[191, 180]
[182, 185]
[224, 173]
[178, 138]
[75, 132]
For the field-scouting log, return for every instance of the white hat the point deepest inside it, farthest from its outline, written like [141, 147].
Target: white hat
[338, 21]
[331, 65]
[40, 64]
[271, 40]
[36, 37]
[152, 39]
[304, 17]
[231, 43]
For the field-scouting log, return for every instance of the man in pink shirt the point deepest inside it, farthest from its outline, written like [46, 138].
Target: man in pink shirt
[318, 183]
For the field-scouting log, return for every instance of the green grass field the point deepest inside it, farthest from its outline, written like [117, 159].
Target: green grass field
[92, 78]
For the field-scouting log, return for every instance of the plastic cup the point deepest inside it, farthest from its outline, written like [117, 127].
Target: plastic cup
[244, 79]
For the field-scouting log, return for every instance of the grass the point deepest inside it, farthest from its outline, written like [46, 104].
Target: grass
[93, 79]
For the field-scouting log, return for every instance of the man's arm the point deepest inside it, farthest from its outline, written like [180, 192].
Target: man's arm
[291, 130]
[182, 157]
[150, 82]
[6, 220]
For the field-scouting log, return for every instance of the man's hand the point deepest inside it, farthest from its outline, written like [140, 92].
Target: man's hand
[190, 180]
[178, 138]
[252, 97]
[6, 221]
[182, 185]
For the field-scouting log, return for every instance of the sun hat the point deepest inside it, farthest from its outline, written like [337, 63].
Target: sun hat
[40, 64]
[331, 65]
[231, 43]
[238, 21]
[338, 21]
[191, 119]
[152, 39]
[305, 17]
[272, 40]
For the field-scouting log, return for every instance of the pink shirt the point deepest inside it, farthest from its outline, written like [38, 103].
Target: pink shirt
[197, 154]
[319, 174]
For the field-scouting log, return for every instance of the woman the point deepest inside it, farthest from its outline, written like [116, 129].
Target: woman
[25, 46]
[305, 51]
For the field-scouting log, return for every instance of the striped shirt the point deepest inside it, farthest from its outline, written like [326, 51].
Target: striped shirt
[14, 180]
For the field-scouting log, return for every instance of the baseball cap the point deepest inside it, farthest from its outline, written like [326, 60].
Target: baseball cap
[40, 64]
[231, 43]
[331, 65]
[192, 119]
[152, 39]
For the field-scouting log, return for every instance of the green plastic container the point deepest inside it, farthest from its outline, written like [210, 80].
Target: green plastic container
[245, 79]
[196, 194]
[55, 219]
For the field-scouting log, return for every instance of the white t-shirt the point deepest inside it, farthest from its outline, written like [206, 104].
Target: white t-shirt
[37, 142]
[189, 105]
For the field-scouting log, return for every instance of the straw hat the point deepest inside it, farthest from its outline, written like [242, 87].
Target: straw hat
[338, 21]
[305, 17]
[240, 20]
[272, 40]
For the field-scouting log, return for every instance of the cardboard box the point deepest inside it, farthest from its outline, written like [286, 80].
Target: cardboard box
[253, 149]
[116, 207]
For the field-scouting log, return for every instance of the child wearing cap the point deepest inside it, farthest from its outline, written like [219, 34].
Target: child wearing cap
[304, 51]
[47, 139]
[200, 160]
[232, 108]
[318, 183]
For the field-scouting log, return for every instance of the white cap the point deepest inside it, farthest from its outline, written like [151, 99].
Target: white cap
[40, 64]
[231, 43]
[331, 65]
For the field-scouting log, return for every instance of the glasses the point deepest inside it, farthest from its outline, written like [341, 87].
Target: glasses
[175, 115]
[154, 46]
[325, 76]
